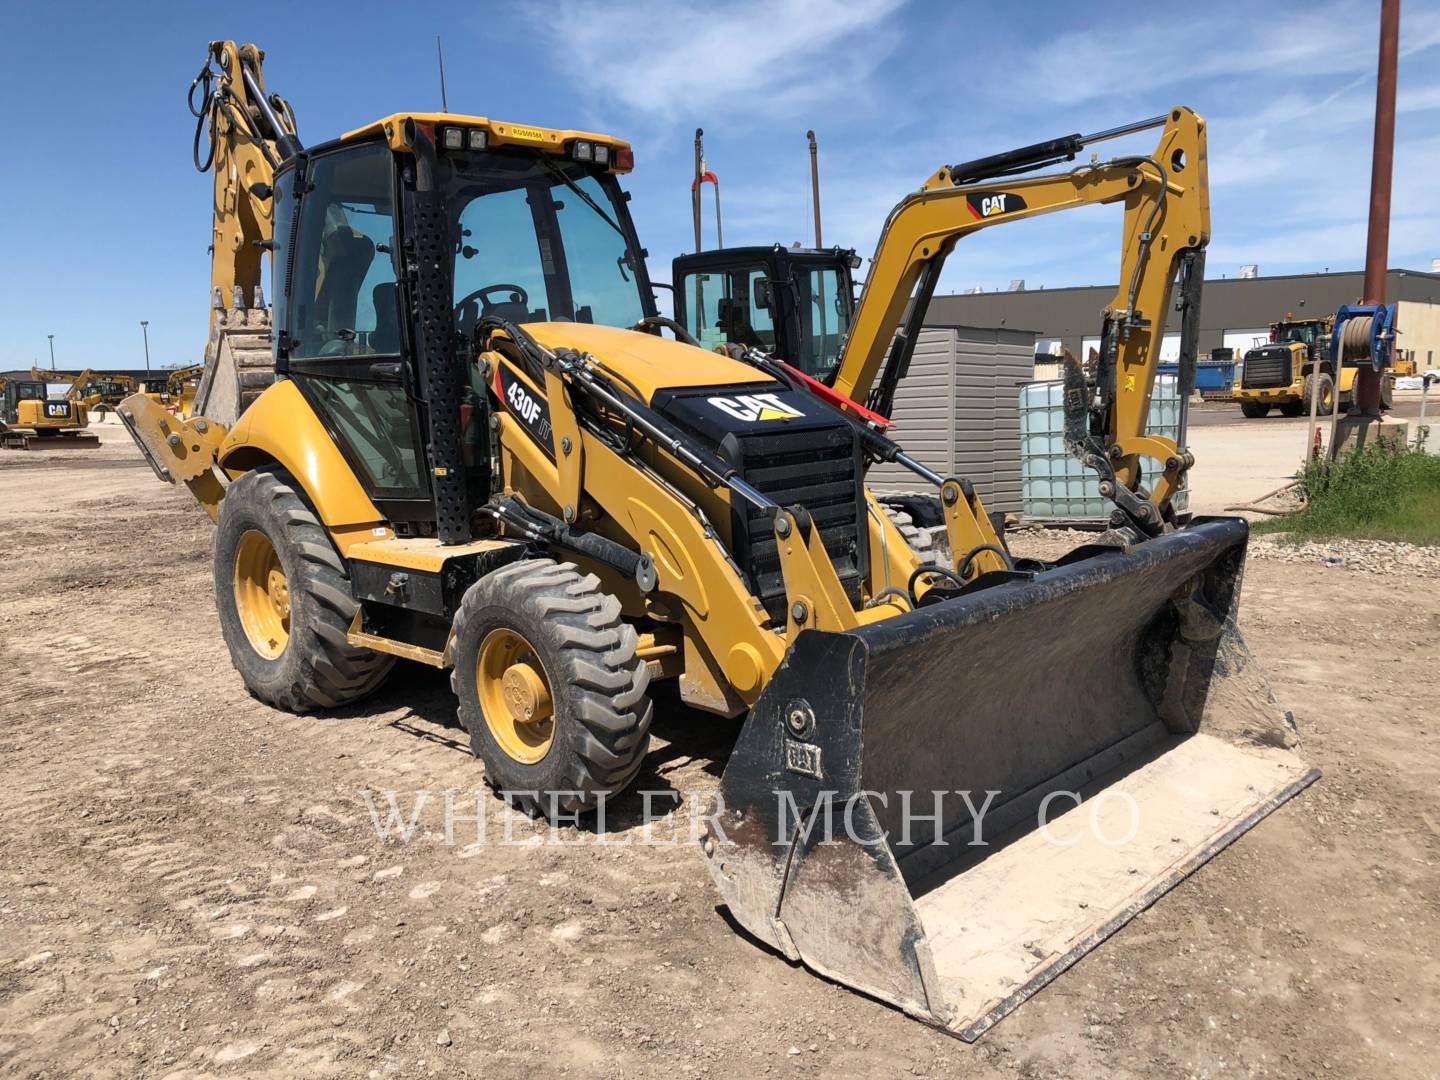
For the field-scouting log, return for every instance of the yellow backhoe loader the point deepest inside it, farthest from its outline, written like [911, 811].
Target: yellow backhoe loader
[478, 452]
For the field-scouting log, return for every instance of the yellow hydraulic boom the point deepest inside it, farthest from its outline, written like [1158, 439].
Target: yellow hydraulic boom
[1167, 225]
[248, 132]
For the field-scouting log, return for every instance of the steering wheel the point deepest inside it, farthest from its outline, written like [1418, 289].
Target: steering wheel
[483, 295]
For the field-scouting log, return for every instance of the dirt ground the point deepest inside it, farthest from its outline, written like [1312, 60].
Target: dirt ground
[190, 882]
[1239, 460]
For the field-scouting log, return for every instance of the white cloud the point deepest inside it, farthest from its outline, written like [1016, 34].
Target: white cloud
[661, 59]
[1130, 57]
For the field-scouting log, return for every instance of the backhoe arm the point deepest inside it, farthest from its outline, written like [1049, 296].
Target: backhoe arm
[1167, 221]
[250, 134]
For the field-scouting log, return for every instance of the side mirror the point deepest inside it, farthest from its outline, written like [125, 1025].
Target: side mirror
[762, 293]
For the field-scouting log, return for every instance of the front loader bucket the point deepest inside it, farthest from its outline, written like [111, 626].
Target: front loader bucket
[1108, 702]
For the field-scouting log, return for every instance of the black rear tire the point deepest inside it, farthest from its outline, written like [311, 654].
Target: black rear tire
[1292, 408]
[1255, 410]
[599, 722]
[316, 668]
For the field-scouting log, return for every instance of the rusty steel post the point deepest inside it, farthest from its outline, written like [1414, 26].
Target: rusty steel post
[1377, 247]
[695, 188]
[815, 184]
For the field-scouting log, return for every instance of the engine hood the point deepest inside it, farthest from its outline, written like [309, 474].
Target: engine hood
[651, 363]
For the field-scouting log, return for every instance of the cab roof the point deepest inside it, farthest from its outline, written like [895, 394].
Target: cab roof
[498, 133]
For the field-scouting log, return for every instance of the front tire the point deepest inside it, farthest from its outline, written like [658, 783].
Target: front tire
[1327, 393]
[284, 599]
[551, 688]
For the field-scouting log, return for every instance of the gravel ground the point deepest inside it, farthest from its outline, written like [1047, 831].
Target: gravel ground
[1358, 556]
[1362, 556]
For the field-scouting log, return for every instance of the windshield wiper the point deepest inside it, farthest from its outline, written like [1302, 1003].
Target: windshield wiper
[584, 197]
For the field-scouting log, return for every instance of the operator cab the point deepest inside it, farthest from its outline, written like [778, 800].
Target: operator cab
[536, 229]
[51, 403]
[1313, 334]
[793, 303]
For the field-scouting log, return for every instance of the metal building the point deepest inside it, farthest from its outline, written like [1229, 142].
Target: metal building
[958, 411]
[1233, 313]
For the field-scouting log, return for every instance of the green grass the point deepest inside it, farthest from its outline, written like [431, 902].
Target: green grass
[1373, 494]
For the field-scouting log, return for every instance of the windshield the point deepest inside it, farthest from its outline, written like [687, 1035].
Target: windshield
[1301, 332]
[720, 308]
[540, 240]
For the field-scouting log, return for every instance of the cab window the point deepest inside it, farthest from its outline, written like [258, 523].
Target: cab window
[342, 297]
[720, 309]
[341, 314]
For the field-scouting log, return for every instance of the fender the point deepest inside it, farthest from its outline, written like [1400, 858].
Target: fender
[282, 427]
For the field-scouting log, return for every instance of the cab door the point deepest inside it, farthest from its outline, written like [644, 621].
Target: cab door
[340, 334]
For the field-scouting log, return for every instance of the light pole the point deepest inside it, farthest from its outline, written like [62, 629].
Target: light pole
[52, 351]
[144, 329]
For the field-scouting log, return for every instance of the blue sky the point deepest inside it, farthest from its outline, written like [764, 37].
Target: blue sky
[107, 222]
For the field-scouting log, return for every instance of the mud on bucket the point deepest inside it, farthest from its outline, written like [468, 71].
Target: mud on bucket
[947, 809]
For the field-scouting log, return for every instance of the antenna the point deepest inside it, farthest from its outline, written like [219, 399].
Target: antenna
[440, 58]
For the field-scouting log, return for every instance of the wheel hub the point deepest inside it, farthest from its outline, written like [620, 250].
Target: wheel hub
[514, 695]
[262, 594]
[525, 693]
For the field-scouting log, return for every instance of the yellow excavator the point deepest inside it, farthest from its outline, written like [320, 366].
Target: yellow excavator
[477, 451]
[98, 391]
[36, 415]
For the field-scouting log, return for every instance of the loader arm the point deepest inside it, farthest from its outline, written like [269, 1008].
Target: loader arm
[1167, 221]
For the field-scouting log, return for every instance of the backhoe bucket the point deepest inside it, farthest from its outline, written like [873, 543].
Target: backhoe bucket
[1108, 703]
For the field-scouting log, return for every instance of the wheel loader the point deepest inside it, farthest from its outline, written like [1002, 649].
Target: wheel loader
[478, 452]
[1284, 373]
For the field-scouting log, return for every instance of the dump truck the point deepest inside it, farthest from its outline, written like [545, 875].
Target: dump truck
[1297, 362]
[478, 451]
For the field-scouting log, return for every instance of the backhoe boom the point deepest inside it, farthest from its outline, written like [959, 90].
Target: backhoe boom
[1167, 221]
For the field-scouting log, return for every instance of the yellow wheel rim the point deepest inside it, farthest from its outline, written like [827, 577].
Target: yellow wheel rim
[262, 594]
[515, 696]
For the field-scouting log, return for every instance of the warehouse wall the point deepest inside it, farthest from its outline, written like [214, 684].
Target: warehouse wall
[1420, 330]
[1229, 304]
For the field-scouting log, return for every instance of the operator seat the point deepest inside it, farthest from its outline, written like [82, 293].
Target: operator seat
[345, 258]
[735, 324]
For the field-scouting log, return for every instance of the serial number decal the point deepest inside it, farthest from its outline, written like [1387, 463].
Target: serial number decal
[988, 204]
[529, 408]
[533, 134]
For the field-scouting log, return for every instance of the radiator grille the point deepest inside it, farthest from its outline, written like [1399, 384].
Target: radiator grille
[1266, 367]
[818, 469]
